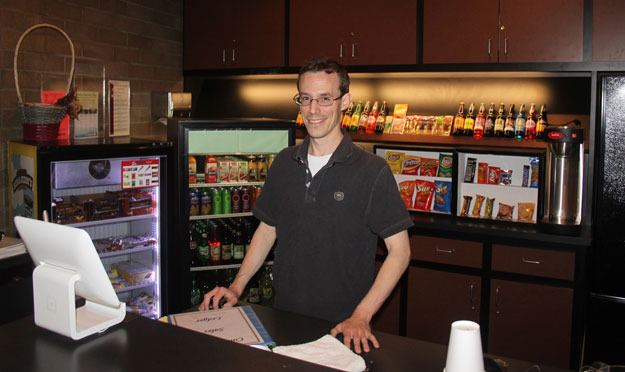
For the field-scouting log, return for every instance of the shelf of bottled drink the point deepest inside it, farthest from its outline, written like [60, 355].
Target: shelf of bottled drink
[221, 267]
[216, 216]
[225, 184]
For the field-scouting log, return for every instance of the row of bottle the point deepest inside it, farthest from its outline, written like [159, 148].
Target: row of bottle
[222, 200]
[214, 169]
[220, 242]
[365, 119]
[259, 288]
[520, 126]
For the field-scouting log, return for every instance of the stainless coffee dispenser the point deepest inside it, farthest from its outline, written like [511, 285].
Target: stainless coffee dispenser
[564, 177]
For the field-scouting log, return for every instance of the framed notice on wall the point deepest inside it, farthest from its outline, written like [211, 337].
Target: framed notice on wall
[119, 108]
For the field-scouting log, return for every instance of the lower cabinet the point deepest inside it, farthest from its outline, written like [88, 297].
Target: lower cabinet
[436, 299]
[530, 322]
[387, 317]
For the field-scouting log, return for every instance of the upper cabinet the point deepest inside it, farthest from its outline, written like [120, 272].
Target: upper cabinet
[508, 31]
[354, 32]
[234, 34]
[608, 30]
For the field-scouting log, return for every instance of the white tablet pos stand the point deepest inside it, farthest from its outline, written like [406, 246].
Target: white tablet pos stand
[68, 265]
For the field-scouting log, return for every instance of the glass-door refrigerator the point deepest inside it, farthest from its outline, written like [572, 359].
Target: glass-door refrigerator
[116, 190]
[219, 168]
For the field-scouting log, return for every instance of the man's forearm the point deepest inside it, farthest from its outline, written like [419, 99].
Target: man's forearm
[391, 271]
[261, 244]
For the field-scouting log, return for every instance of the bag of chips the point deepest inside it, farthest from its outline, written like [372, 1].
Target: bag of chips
[442, 196]
[406, 190]
[411, 165]
[424, 195]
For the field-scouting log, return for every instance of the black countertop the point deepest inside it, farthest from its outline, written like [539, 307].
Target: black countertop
[140, 344]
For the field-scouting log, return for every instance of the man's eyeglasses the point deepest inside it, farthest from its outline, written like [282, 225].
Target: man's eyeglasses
[306, 100]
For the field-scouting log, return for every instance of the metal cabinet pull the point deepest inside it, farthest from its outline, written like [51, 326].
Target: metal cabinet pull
[472, 296]
[524, 260]
[223, 56]
[505, 46]
[497, 300]
[341, 50]
[353, 50]
[489, 40]
[448, 251]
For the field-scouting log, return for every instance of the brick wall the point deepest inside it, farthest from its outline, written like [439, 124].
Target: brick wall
[135, 40]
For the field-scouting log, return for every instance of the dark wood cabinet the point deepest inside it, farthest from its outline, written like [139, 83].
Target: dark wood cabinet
[508, 31]
[235, 34]
[354, 32]
[531, 322]
[608, 30]
[436, 299]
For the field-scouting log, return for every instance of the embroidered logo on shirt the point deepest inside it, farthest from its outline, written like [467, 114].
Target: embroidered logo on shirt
[339, 196]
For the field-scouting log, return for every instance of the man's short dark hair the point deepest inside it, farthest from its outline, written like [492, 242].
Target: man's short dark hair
[328, 66]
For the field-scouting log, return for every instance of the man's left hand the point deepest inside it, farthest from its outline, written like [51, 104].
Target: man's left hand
[358, 331]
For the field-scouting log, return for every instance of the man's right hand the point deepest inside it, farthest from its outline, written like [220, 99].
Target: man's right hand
[213, 298]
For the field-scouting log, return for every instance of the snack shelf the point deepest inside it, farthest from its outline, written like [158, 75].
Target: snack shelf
[133, 287]
[497, 186]
[126, 251]
[113, 220]
[225, 184]
[222, 267]
[215, 216]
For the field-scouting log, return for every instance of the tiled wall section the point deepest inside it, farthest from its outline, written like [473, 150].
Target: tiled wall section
[135, 40]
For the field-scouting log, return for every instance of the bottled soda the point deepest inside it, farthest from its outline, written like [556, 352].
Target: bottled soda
[226, 245]
[192, 169]
[347, 116]
[245, 199]
[362, 121]
[210, 169]
[541, 123]
[371, 120]
[353, 124]
[469, 121]
[194, 202]
[217, 201]
[206, 202]
[226, 200]
[480, 121]
[236, 200]
[530, 123]
[203, 244]
[238, 249]
[196, 293]
[379, 121]
[215, 245]
[499, 120]
[489, 124]
[519, 124]
[253, 293]
[266, 284]
[508, 126]
[193, 242]
[458, 128]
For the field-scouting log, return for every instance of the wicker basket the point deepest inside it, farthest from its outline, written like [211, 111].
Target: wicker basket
[40, 121]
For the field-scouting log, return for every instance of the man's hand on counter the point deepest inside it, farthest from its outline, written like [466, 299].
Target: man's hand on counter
[356, 329]
[219, 297]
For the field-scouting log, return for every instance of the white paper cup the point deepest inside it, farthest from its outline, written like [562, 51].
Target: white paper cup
[464, 353]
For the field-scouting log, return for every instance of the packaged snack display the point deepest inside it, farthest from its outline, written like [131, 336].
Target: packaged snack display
[445, 165]
[488, 208]
[466, 204]
[505, 177]
[395, 160]
[428, 167]
[469, 173]
[442, 196]
[133, 272]
[424, 195]
[505, 212]
[411, 165]
[526, 211]
[526, 176]
[477, 206]
[493, 175]
[406, 190]
[534, 179]
[482, 172]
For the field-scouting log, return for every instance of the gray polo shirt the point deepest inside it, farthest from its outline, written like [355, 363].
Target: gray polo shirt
[327, 227]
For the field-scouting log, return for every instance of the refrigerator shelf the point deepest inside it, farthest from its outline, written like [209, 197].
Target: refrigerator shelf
[222, 267]
[133, 287]
[126, 251]
[221, 184]
[113, 220]
[216, 216]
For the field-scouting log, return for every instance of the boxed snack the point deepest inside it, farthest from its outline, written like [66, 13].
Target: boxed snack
[133, 272]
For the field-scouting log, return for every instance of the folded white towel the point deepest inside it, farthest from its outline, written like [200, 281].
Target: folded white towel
[327, 351]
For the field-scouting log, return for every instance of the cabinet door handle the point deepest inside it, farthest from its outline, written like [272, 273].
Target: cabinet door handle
[448, 251]
[505, 46]
[472, 296]
[489, 40]
[234, 54]
[524, 260]
[353, 50]
[497, 300]
[341, 50]
[223, 56]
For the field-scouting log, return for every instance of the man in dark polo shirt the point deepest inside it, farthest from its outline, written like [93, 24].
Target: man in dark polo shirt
[325, 203]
